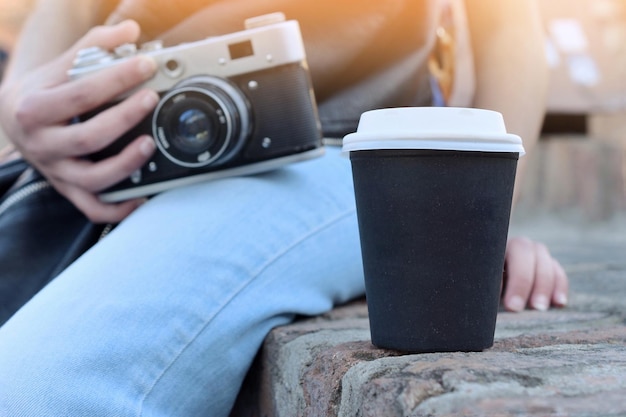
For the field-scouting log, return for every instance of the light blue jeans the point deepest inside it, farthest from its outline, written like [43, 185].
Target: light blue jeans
[165, 315]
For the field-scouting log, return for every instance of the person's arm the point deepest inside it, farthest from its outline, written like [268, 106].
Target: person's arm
[511, 68]
[512, 78]
[51, 27]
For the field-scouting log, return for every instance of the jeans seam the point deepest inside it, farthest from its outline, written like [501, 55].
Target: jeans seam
[241, 288]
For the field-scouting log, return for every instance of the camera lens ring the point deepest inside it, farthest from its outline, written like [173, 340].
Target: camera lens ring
[223, 106]
[167, 140]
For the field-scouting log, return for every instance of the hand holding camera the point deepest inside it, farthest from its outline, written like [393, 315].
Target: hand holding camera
[236, 104]
[36, 103]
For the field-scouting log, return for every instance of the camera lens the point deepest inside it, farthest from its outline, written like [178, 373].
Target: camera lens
[201, 121]
[194, 131]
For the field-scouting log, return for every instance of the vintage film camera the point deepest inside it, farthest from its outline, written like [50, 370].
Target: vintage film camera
[236, 104]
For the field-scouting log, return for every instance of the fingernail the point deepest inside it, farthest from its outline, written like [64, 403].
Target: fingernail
[516, 303]
[560, 299]
[146, 65]
[146, 147]
[540, 303]
[149, 100]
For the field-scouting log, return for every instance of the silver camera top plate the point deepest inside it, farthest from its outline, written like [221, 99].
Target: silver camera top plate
[269, 41]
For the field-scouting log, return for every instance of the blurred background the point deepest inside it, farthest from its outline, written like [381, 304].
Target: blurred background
[578, 172]
[12, 14]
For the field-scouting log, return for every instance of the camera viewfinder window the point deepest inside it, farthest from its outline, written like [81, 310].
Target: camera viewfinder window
[240, 50]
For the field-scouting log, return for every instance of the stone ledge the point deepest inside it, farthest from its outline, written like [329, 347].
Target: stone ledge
[569, 362]
[328, 367]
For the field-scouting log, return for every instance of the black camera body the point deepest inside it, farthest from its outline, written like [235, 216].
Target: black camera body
[236, 104]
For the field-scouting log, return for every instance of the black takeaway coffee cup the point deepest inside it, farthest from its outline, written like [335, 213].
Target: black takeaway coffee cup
[434, 189]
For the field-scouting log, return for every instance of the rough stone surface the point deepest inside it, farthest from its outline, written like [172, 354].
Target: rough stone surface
[563, 362]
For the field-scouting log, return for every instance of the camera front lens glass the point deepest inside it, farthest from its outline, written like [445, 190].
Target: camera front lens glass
[192, 128]
[194, 131]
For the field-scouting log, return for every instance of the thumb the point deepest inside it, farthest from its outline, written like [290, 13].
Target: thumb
[105, 37]
[108, 37]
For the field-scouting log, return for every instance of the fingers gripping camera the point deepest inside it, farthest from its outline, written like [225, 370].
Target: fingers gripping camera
[236, 104]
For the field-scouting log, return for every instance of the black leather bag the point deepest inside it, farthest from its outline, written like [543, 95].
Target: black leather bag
[41, 233]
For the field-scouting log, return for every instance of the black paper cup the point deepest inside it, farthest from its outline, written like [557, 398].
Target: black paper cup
[433, 188]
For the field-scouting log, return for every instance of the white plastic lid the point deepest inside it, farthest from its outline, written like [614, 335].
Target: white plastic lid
[438, 128]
